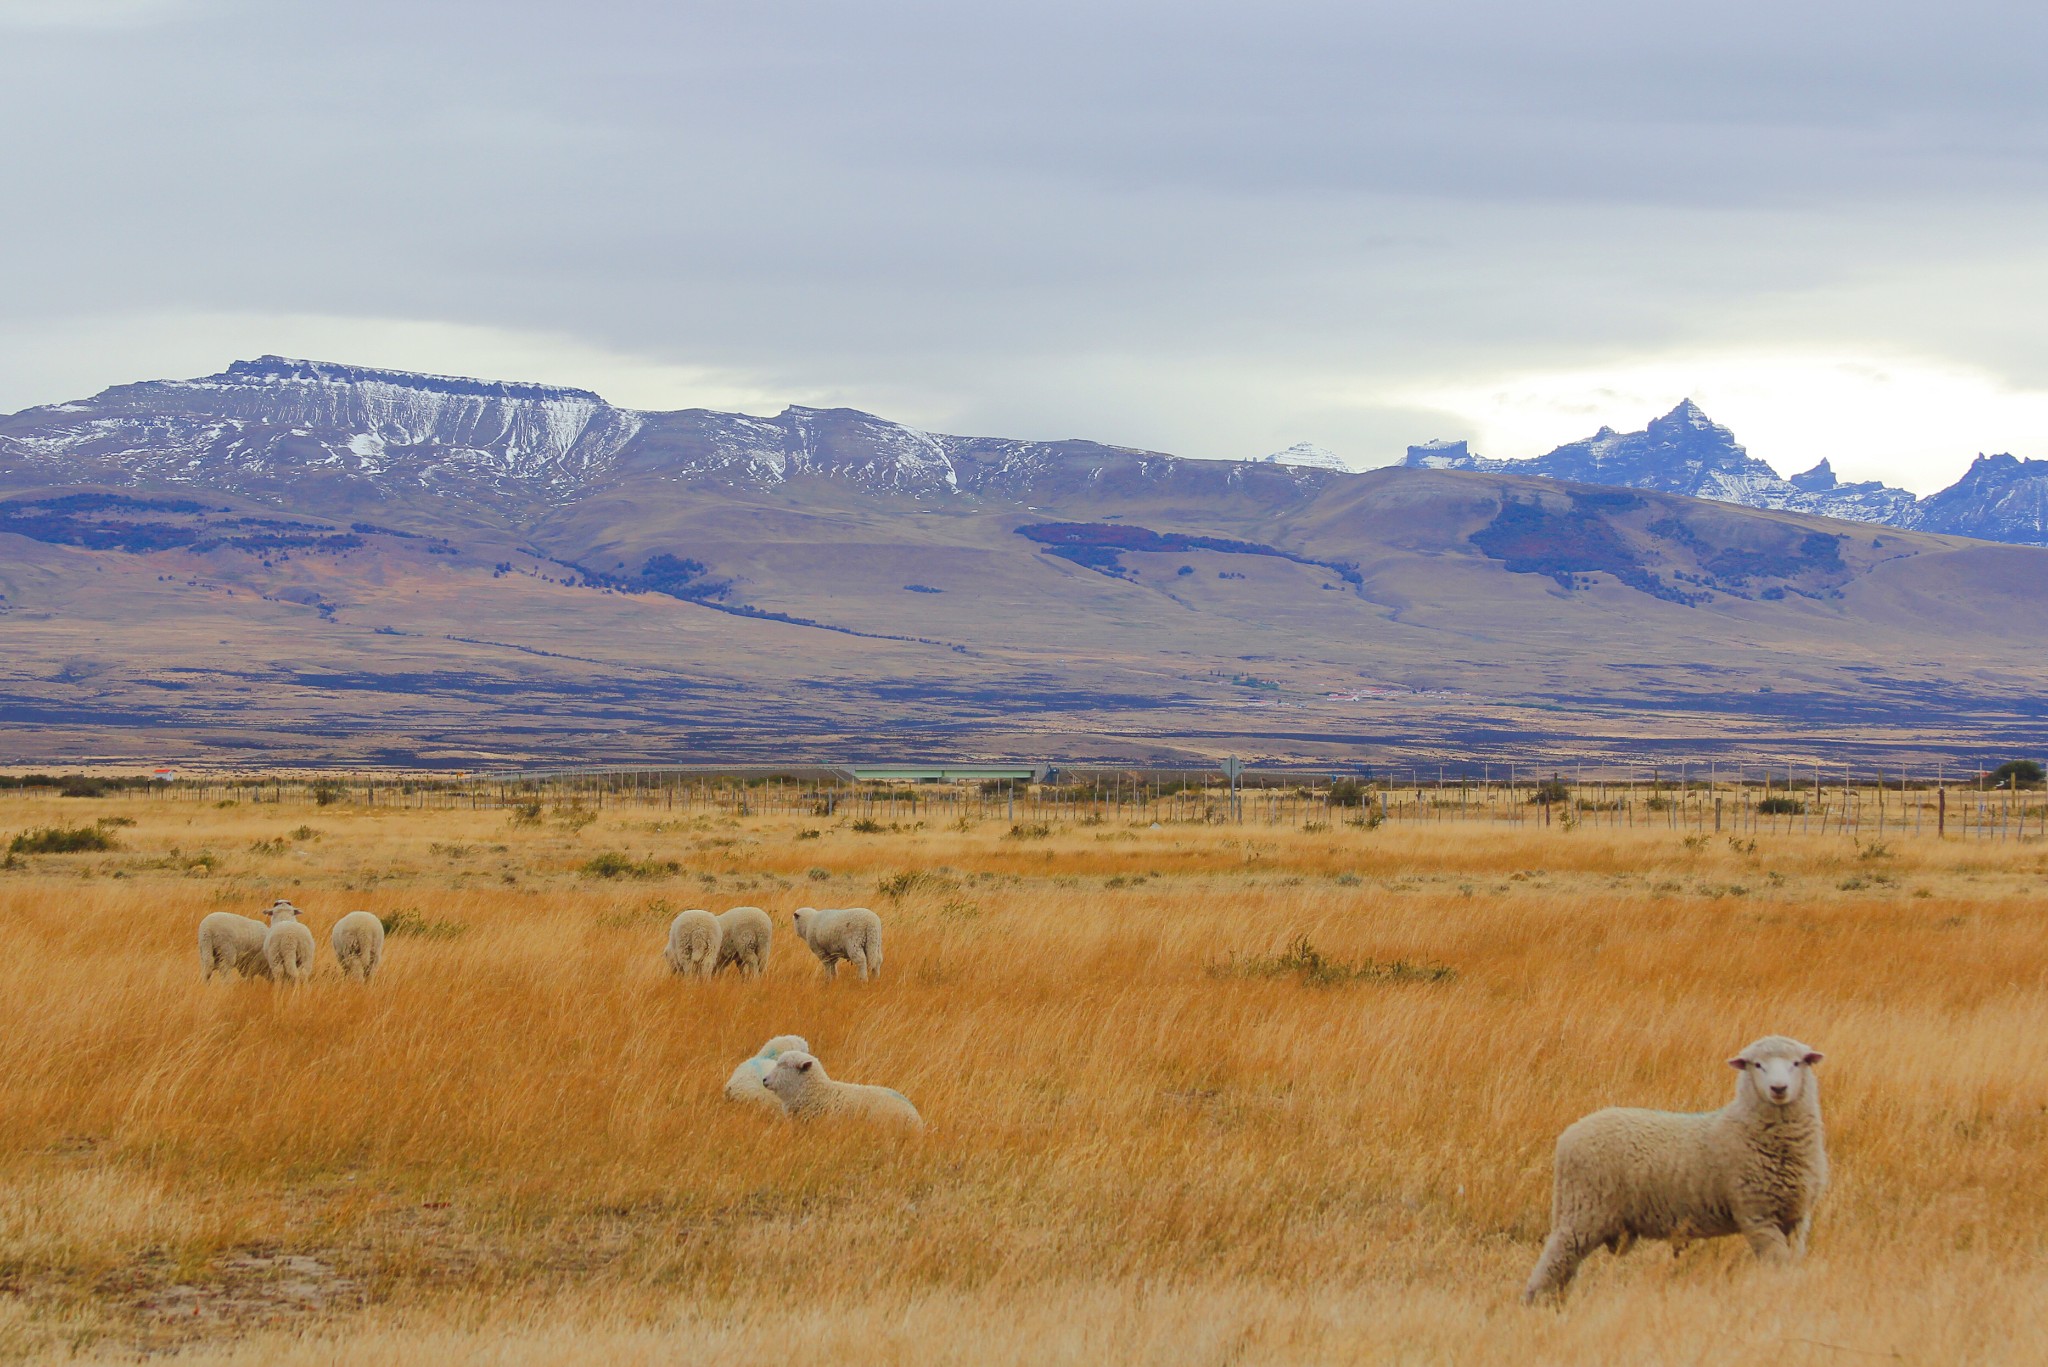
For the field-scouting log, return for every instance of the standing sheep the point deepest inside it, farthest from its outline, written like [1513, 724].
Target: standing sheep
[693, 944]
[799, 1081]
[745, 1084]
[744, 933]
[230, 942]
[358, 940]
[850, 933]
[287, 945]
[1756, 1167]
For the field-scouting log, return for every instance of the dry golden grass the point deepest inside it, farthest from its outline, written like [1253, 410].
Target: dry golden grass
[512, 1148]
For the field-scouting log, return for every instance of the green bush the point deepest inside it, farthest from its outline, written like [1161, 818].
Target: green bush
[61, 840]
[1346, 792]
[411, 923]
[327, 792]
[2023, 773]
[612, 864]
[1781, 806]
[1035, 831]
[1551, 789]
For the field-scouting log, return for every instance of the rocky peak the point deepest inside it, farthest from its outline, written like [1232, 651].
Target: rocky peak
[1818, 480]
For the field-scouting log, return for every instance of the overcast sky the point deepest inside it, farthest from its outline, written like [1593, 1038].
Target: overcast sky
[1209, 229]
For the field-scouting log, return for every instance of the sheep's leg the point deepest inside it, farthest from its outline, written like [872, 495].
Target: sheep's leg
[1798, 1234]
[831, 968]
[1562, 1254]
[859, 959]
[1768, 1243]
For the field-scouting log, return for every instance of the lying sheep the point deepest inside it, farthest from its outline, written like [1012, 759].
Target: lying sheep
[358, 940]
[850, 933]
[799, 1082]
[1756, 1167]
[693, 944]
[287, 945]
[744, 933]
[745, 1082]
[230, 942]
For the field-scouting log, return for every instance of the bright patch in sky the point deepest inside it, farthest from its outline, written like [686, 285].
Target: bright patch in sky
[1910, 422]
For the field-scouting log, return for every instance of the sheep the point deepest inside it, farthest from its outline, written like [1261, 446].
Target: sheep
[1756, 1167]
[358, 940]
[744, 933]
[693, 944]
[228, 941]
[850, 933]
[745, 1082]
[287, 945]
[798, 1080]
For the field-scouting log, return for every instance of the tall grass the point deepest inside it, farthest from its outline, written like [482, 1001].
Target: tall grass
[514, 1137]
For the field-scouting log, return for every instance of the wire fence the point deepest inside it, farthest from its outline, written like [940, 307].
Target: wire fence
[1982, 804]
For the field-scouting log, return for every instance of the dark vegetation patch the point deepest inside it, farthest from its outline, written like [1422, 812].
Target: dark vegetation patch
[1534, 538]
[612, 864]
[115, 522]
[1099, 546]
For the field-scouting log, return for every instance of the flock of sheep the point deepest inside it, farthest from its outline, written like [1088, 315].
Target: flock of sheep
[1756, 1167]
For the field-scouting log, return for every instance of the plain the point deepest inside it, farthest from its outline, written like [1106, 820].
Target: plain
[1197, 1092]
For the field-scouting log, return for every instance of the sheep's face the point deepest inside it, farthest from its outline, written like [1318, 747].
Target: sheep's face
[1776, 1070]
[793, 1068]
[281, 908]
[800, 918]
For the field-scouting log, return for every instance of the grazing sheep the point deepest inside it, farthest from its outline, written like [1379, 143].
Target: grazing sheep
[693, 944]
[230, 942]
[1756, 1167]
[744, 933]
[745, 1082]
[850, 933]
[287, 945]
[799, 1082]
[358, 941]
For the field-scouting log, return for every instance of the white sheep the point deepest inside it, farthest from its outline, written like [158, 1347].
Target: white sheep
[358, 940]
[850, 933]
[1756, 1167]
[287, 945]
[230, 942]
[745, 1082]
[799, 1082]
[693, 943]
[743, 937]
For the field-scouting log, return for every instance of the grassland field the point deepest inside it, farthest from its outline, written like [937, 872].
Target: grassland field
[1197, 1094]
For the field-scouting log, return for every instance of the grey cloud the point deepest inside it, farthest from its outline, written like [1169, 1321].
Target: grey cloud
[1183, 226]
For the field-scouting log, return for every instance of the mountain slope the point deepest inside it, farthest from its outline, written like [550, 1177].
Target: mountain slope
[350, 566]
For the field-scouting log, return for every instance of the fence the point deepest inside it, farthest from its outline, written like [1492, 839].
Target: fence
[1737, 803]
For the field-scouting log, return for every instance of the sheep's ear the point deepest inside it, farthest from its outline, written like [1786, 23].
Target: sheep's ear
[1738, 1063]
[805, 1066]
[1815, 1056]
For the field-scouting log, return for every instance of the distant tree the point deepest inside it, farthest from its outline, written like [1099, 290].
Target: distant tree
[1552, 789]
[2022, 773]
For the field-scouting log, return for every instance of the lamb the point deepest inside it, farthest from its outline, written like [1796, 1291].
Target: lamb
[850, 933]
[228, 941]
[358, 940]
[745, 1083]
[1756, 1167]
[693, 944]
[744, 933]
[799, 1082]
[287, 945]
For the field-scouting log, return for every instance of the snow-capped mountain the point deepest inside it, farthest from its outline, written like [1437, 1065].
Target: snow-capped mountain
[1308, 456]
[1686, 452]
[362, 436]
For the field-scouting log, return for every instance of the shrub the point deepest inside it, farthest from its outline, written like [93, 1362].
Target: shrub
[410, 922]
[1346, 792]
[268, 847]
[1034, 831]
[108, 822]
[1781, 806]
[612, 864]
[1316, 969]
[526, 814]
[1551, 789]
[327, 792]
[868, 826]
[81, 787]
[919, 881]
[61, 840]
[808, 834]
